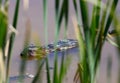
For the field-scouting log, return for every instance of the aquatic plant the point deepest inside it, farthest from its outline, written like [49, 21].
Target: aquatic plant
[95, 31]
[91, 37]
[58, 76]
[6, 51]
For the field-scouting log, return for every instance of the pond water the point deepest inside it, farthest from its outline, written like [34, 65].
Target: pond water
[35, 14]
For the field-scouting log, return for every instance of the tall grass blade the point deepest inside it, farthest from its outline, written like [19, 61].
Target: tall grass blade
[99, 39]
[62, 68]
[112, 42]
[84, 75]
[45, 20]
[45, 10]
[84, 16]
[110, 16]
[37, 78]
[75, 7]
[3, 29]
[80, 72]
[89, 47]
[57, 7]
[58, 18]
[64, 13]
[48, 71]
[12, 37]
[2, 67]
[66, 16]
[66, 7]
[95, 21]
[88, 69]
[103, 19]
[0, 2]
[61, 14]
[80, 39]
[3, 34]
[16, 14]
[55, 72]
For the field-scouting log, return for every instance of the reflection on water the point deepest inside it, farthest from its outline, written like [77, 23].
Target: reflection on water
[30, 69]
[73, 53]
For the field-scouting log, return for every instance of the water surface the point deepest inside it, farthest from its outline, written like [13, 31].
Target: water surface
[35, 14]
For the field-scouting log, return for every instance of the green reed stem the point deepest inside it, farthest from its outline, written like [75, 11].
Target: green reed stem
[12, 37]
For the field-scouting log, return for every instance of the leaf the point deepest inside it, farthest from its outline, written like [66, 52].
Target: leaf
[12, 36]
[37, 76]
[0, 2]
[48, 71]
[61, 15]
[79, 37]
[62, 68]
[3, 29]
[66, 12]
[112, 42]
[110, 16]
[55, 72]
[2, 68]
[75, 7]
[95, 21]
[57, 7]
[15, 19]
[45, 11]
[84, 16]
[82, 52]
[99, 39]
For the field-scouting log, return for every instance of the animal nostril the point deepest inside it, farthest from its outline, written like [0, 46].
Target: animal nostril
[21, 54]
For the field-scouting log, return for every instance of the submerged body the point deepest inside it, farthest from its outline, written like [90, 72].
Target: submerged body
[39, 52]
